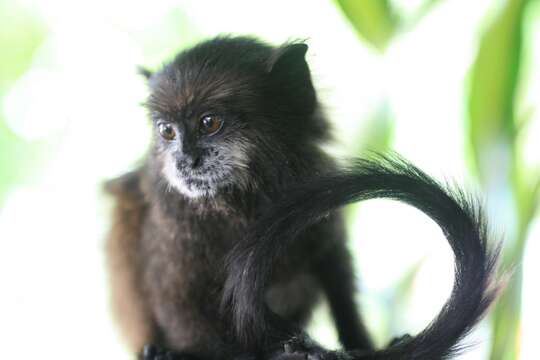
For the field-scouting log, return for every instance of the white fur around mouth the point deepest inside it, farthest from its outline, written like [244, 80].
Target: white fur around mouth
[217, 173]
[185, 183]
[177, 181]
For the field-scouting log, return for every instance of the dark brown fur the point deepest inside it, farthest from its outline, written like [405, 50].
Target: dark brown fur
[221, 243]
[166, 270]
[167, 252]
[130, 304]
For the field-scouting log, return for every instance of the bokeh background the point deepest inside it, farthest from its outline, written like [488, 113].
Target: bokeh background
[453, 85]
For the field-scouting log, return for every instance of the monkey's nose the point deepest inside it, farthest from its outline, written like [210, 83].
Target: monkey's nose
[191, 162]
[196, 162]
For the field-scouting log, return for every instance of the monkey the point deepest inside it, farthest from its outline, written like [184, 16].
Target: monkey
[235, 121]
[233, 172]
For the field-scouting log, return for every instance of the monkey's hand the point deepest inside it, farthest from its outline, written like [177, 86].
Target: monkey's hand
[301, 347]
[154, 352]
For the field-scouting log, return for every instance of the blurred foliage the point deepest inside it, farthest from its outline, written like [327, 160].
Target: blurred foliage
[376, 134]
[374, 20]
[494, 83]
[21, 33]
[10, 147]
[376, 137]
[493, 133]
[377, 21]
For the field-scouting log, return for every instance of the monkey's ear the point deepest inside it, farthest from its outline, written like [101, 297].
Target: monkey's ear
[147, 74]
[290, 76]
[289, 59]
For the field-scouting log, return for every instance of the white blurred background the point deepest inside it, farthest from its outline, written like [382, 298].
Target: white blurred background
[70, 117]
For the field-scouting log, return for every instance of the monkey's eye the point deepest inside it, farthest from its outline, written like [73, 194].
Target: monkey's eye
[167, 131]
[210, 124]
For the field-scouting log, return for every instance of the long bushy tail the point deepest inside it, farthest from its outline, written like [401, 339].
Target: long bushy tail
[251, 262]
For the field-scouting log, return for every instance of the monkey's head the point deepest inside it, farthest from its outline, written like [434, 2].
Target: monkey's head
[231, 111]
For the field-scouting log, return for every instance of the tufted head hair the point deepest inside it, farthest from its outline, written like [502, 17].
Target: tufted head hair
[230, 111]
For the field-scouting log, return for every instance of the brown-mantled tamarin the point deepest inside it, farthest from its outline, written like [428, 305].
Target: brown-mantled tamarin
[226, 235]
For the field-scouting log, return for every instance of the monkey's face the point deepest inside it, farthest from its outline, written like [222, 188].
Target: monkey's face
[201, 153]
[223, 114]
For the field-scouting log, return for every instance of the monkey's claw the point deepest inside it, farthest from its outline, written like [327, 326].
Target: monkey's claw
[302, 348]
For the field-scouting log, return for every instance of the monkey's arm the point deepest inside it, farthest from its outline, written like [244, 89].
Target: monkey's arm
[336, 275]
[128, 301]
[460, 219]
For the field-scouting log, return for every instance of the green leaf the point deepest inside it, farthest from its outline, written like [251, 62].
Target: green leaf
[21, 33]
[493, 84]
[377, 21]
[493, 141]
[373, 20]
